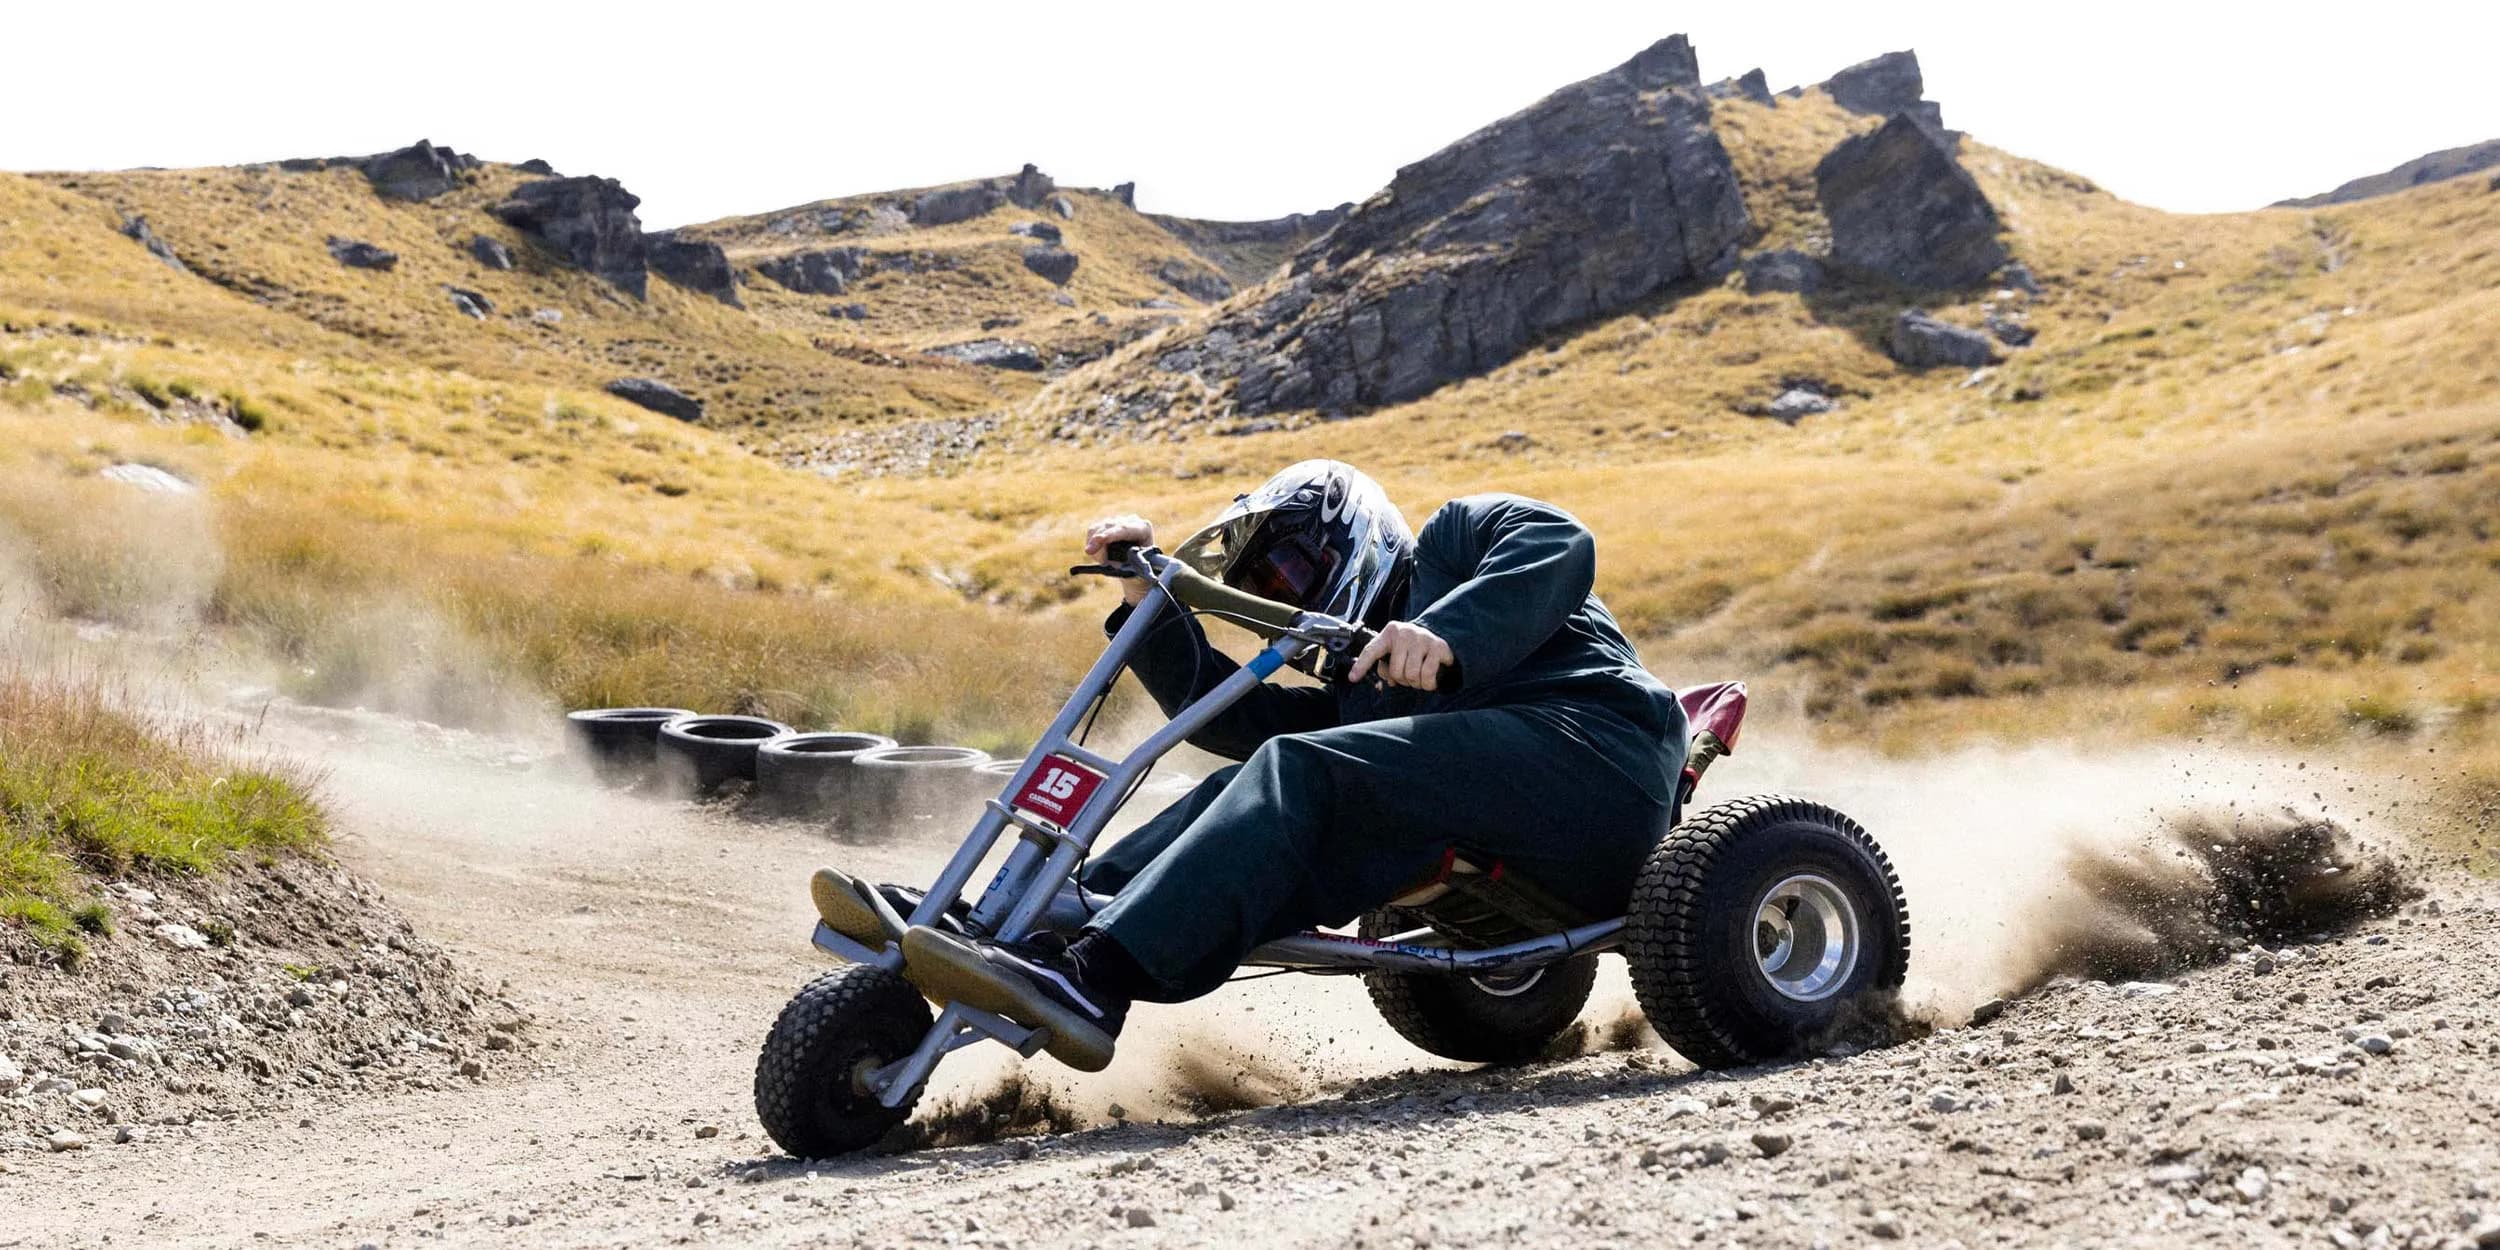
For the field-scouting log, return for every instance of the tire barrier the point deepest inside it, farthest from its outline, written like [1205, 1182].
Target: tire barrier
[805, 775]
[702, 755]
[621, 744]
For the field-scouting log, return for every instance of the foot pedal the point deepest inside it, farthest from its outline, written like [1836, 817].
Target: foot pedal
[840, 906]
[951, 970]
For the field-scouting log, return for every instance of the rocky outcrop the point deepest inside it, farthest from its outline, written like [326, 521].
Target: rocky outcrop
[1886, 85]
[490, 252]
[657, 396]
[136, 229]
[1195, 281]
[589, 222]
[536, 166]
[827, 271]
[470, 303]
[1783, 270]
[1125, 193]
[695, 264]
[1751, 85]
[419, 171]
[1062, 205]
[1922, 342]
[356, 254]
[1053, 262]
[1598, 196]
[1042, 230]
[994, 354]
[1250, 251]
[1030, 188]
[2435, 167]
[1904, 210]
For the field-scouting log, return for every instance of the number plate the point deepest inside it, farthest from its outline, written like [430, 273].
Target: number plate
[1058, 790]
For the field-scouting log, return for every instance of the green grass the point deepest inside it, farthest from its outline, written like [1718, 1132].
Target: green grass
[88, 791]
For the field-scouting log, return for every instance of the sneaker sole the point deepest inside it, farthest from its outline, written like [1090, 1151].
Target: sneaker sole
[839, 905]
[952, 971]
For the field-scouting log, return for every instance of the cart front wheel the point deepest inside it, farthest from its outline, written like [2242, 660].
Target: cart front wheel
[809, 1092]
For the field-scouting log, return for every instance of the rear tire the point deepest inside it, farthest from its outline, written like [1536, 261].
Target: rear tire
[806, 1094]
[1477, 1020]
[1758, 927]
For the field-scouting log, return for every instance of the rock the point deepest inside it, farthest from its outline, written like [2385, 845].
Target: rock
[1140, 1217]
[470, 303]
[1195, 281]
[64, 1141]
[2090, 1130]
[1224, 1200]
[2374, 1043]
[1922, 342]
[489, 252]
[1584, 203]
[1754, 85]
[2141, 989]
[1797, 402]
[472, 1068]
[547, 316]
[11, 1076]
[849, 312]
[1042, 230]
[661, 398]
[2421, 170]
[589, 222]
[1030, 188]
[1946, 1099]
[1054, 263]
[181, 937]
[829, 271]
[707, 1131]
[359, 255]
[1126, 193]
[1158, 302]
[945, 206]
[1883, 86]
[2252, 1185]
[1904, 210]
[2017, 276]
[2011, 331]
[536, 166]
[419, 171]
[1887, 1226]
[1987, 1012]
[1783, 270]
[1772, 1145]
[147, 477]
[994, 354]
[1062, 205]
[695, 264]
[136, 229]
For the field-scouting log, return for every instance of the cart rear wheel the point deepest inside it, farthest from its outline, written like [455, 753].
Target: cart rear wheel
[842, 1025]
[1507, 1019]
[1757, 926]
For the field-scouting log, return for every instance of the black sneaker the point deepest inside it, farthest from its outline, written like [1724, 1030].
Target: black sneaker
[1035, 985]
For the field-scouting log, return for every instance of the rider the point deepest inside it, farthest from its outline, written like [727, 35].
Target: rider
[1500, 711]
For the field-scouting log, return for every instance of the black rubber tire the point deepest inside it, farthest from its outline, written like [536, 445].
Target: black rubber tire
[1690, 936]
[701, 755]
[1457, 1018]
[900, 784]
[803, 1089]
[811, 774]
[621, 744]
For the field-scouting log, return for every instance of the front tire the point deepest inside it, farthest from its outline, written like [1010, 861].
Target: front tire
[847, 1021]
[1477, 1019]
[1757, 928]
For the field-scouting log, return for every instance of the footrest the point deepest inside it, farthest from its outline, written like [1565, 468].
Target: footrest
[842, 903]
[952, 970]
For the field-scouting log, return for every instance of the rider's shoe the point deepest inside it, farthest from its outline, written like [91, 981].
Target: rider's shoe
[1033, 984]
[840, 906]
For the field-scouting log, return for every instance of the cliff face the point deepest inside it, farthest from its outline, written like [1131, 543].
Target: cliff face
[1594, 197]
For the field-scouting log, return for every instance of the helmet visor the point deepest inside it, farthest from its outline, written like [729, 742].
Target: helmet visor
[1293, 571]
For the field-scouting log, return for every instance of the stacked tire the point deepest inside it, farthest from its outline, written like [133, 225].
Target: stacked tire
[619, 744]
[813, 775]
[703, 756]
[900, 787]
[865, 784]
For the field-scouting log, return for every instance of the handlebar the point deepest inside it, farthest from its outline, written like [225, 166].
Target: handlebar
[1195, 590]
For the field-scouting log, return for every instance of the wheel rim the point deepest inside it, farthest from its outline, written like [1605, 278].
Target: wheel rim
[1509, 985]
[1806, 937]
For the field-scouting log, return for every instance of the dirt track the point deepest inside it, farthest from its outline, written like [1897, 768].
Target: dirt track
[2335, 1091]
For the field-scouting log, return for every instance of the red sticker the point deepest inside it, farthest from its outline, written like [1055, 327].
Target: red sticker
[1058, 790]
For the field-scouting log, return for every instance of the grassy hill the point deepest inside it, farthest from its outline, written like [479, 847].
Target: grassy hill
[2241, 487]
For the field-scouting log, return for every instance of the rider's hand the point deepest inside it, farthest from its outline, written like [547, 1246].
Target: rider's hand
[1405, 654]
[1129, 528]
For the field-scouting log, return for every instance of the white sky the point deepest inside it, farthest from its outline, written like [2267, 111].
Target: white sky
[1215, 109]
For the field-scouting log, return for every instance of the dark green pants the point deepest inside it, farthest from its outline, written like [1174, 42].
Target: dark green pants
[1317, 828]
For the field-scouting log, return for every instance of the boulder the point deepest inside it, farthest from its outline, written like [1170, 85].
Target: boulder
[137, 230]
[1797, 402]
[1921, 342]
[1783, 270]
[2017, 276]
[1030, 188]
[490, 252]
[536, 166]
[1126, 193]
[848, 312]
[829, 271]
[2011, 329]
[470, 303]
[947, 205]
[1195, 281]
[360, 255]
[1042, 230]
[1903, 209]
[994, 354]
[657, 396]
[1051, 261]
[1880, 87]
[419, 171]
[695, 264]
[1585, 203]
[1062, 205]
[589, 222]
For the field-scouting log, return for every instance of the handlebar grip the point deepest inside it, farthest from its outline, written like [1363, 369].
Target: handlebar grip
[1118, 553]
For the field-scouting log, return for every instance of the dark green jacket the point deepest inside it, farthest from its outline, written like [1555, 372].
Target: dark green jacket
[1506, 582]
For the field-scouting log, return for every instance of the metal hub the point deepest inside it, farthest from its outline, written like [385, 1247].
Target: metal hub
[1509, 984]
[1806, 937]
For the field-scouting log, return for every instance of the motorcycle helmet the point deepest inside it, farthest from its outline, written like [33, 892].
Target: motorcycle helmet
[1320, 535]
